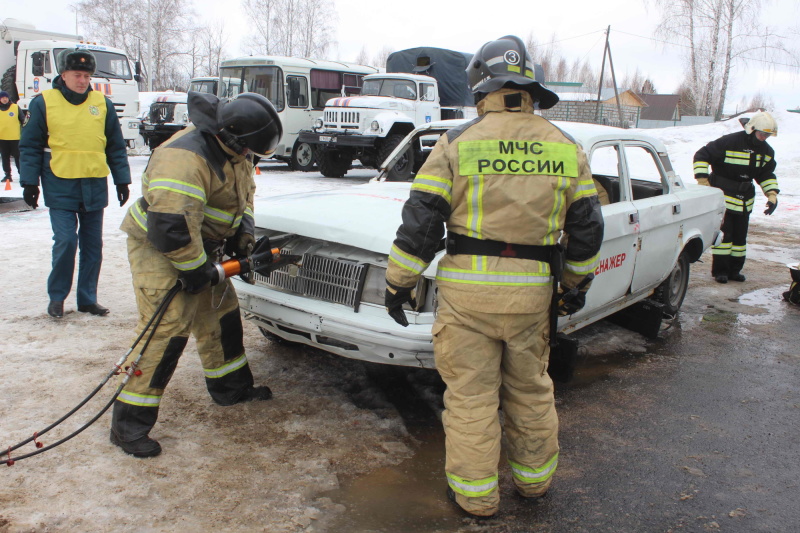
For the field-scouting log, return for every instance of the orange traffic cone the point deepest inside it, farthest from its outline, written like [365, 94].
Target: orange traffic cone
[8, 185]
[258, 171]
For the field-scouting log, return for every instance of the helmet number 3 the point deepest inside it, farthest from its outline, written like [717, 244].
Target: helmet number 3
[511, 57]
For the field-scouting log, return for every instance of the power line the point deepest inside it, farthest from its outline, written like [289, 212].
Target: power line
[689, 47]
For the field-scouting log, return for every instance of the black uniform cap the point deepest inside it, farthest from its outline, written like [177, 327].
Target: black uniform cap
[76, 59]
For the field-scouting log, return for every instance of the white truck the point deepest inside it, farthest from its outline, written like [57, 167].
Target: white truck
[28, 66]
[169, 113]
[420, 85]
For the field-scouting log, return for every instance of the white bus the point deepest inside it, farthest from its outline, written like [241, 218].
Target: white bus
[299, 88]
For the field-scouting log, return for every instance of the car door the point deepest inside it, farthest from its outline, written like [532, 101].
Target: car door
[620, 239]
[659, 212]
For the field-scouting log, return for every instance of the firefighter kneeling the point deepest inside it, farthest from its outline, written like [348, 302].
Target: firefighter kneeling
[196, 204]
[491, 334]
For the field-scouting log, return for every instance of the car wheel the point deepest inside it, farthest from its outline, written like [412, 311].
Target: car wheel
[333, 163]
[672, 290]
[404, 168]
[302, 157]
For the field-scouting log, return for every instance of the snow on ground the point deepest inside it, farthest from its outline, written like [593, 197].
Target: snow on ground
[258, 466]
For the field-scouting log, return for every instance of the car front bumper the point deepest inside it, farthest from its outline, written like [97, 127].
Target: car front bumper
[368, 335]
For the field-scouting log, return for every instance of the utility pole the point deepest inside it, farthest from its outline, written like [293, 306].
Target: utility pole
[607, 51]
[149, 50]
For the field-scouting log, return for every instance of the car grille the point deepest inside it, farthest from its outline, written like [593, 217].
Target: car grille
[162, 112]
[342, 119]
[332, 280]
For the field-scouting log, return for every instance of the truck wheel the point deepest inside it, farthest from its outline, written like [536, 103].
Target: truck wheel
[404, 168]
[333, 163]
[672, 290]
[302, 157]
[9, 85]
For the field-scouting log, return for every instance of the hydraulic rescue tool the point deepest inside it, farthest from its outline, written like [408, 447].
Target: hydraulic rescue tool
[263, 260]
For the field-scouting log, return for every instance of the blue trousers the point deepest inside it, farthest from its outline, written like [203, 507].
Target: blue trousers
[71, 230]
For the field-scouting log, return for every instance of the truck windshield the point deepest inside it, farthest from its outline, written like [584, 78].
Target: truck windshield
[207, 86]
[109, 64]
[266, 81]
[390, 87]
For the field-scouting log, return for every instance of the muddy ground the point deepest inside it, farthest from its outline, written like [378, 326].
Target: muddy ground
[694, 431]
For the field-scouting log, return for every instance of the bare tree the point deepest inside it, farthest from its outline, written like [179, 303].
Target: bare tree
[761, 102]
[123, 24]
[379, 60]
[302, 28]
[363, 56]
[719, 34]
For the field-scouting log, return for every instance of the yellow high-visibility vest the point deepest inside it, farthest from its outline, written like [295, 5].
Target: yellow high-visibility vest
[77, 135]
[9, 124]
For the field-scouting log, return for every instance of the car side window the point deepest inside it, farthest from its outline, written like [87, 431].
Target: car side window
[647, 178]
[606, 171]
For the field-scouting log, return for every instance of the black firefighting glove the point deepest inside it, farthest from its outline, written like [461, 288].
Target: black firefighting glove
[240, 245]
[200, 278]
[772, 203]
[395, 298]
[570, 301]
[31, 195]
[123, 193]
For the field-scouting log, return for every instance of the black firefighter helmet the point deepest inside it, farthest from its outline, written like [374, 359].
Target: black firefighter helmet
[76, 59]
[505, 63]
[247, 121]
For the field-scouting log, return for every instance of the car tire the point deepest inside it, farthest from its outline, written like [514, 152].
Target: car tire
[302, 157]
[276, 338]
[333, 163]
[672, 290]
[404, 168]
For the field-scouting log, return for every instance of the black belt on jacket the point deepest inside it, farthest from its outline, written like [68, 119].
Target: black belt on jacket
[722, 182]
[461, 244]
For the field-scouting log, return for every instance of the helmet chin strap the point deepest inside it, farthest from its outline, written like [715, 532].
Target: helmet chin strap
[231, 141]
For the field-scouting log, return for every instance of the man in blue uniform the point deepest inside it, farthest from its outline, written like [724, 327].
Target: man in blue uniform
[71, 142]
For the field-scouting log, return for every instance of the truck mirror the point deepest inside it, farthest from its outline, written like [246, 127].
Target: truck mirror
[37, 60]
[137, 78]
[138, 68]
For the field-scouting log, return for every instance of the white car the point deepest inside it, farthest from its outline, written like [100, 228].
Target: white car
[655, 226]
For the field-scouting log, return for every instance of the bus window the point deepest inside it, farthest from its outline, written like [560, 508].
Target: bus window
[297, 91]
[232, 79]
[266, 81]
[206, 86]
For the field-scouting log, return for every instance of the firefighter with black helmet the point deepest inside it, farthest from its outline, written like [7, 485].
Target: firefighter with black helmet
[196, 205]
[505, 187]
[732, 163]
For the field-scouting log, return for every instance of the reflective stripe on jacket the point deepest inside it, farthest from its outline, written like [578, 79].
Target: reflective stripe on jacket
[77, 135]
[508, 176]
[193, 189]
[732, 162]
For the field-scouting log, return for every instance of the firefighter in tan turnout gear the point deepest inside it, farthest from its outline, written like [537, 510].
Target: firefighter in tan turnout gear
[196, 204]
[505, 186]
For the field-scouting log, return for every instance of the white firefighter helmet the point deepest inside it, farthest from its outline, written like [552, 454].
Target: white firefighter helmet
[762, 122]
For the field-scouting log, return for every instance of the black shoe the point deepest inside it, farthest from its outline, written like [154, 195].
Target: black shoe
[141, 447]
[7, 178]
[256, 394]
[451, 495]
[95, 309]
[736, 277]
[55, 309]
[721, 278]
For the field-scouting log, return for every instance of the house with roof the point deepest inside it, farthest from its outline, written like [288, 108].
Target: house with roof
[576, 104]
[664, 111]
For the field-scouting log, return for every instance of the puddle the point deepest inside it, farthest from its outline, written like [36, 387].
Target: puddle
[769, 303]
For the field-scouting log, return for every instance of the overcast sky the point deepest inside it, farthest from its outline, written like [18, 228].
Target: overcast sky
[464, 25]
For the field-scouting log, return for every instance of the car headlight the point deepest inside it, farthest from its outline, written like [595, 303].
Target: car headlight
[133, 125]
[317, 123]
[374, 290]
[375, 126]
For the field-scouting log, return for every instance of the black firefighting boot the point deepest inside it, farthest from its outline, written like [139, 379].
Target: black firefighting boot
[738, 276]
[721, 278]
[130, 425]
